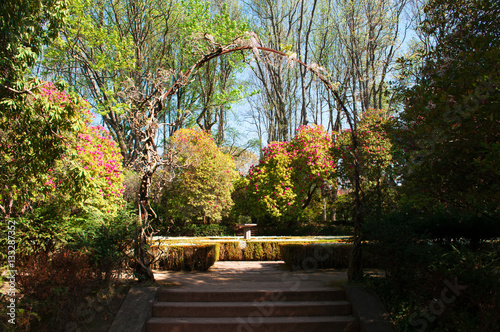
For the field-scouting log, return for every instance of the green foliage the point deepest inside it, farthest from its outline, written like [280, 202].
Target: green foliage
[26, 25]
[203, 188]
[106, 239]
[91, 28]
[199, 19]
[450, 122]
[188, 258]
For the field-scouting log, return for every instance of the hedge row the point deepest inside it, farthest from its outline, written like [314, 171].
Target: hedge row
[202, 257]
[188, 258]
[310, 257]
[301, 256]
[250, 251]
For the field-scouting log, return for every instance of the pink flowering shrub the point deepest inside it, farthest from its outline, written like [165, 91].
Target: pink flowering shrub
[90, 172]
[290, 172]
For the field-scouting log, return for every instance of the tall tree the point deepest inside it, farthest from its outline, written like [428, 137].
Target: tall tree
[356, 42]
[366, 35]
[109, 42]
[451, 115]
[283, 102]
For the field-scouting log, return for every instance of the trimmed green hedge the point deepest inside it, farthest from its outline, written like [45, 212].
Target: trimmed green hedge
[188, 258]
[230, 251]
[253, 251]
[321, 256]
[262, 251]
[200, 257]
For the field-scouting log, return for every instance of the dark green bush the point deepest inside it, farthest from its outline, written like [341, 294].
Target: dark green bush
[315, 256]
[422, 254]
[322, 256]
[188, 258]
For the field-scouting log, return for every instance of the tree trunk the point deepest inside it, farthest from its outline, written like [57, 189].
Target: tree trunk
[355, 268]
[141, 255]
[142, 261]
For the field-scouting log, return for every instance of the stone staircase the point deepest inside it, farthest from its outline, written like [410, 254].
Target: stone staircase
[226, 310]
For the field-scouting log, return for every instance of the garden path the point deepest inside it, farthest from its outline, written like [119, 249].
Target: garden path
[253, 275]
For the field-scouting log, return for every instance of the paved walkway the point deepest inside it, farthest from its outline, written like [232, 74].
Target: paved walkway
[253, 275]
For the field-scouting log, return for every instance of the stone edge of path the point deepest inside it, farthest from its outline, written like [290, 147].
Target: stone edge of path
[135, 310]
[368, 309]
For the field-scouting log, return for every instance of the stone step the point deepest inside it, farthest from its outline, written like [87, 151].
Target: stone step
[242, 309]
[245, 295]
[253, 323]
